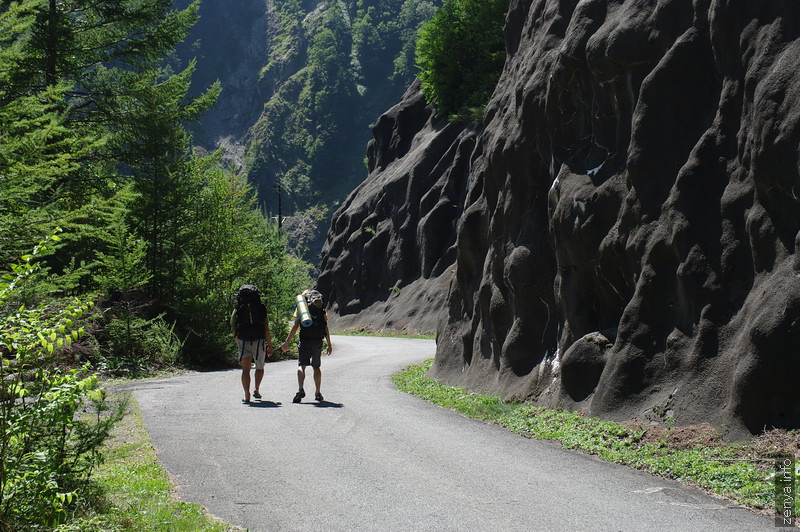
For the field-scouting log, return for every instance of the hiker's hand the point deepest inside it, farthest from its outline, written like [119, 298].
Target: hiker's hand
[269, 351]
[329, 350]
[284, 347]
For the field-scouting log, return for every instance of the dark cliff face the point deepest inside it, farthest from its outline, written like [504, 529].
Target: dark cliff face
[627, 241]
[230, 45]
[387, 259]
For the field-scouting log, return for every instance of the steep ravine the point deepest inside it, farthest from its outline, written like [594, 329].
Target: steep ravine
[624, 222]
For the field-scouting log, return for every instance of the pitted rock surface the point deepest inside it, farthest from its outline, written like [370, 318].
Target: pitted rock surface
[636, 178]
[391, 245]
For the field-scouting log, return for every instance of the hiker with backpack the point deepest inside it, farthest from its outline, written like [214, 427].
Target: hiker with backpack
[250, 327]
[310, 348]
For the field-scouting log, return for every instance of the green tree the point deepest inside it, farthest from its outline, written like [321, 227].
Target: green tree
[102, 60]
[97, 50]
[121, 264]
[460, 55]
[413, 14]
[159, 159]
[232, 244]
[111, 54]
[78, 40]
[39, 151]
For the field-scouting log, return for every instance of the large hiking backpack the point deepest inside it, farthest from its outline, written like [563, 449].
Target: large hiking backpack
[316, 330]
[251, 314]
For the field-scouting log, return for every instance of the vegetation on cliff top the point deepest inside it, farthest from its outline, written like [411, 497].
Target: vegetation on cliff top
[460, 55]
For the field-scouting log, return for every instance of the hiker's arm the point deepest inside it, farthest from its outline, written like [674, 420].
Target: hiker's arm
[267, 335]
[328, 338]
[285, 345]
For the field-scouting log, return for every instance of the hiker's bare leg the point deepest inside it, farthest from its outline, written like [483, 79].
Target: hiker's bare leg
[317, 378]
[301, 376]
[246, 363]
[259, 376]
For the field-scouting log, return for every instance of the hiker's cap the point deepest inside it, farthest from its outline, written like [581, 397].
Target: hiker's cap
[314, 297]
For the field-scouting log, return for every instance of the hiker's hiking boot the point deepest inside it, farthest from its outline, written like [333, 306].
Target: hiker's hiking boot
[299, 395]
[318, 396]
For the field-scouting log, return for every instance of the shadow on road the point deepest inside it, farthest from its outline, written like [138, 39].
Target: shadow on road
[264, 404]
[327, 404]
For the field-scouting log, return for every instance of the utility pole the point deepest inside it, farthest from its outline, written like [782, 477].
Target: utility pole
[277, 188]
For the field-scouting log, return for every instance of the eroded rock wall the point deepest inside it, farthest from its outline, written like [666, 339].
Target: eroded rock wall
[387, 259]
[628, 233]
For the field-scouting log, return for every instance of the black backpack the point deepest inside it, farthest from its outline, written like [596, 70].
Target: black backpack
[316, 330]
[251, 314]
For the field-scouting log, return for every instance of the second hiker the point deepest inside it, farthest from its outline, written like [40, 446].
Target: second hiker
[250, 327]
[310, 348]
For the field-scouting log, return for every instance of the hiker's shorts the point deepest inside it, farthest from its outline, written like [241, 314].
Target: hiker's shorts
[310, 352]
[255, 349]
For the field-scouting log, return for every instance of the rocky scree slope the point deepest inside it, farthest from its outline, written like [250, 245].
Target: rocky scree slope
[625, 224]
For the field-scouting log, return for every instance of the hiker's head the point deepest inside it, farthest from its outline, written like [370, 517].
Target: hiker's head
[247, 293]
[314, 298]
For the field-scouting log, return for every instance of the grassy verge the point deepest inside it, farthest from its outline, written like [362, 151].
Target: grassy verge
[131, 492]
[391, 333]
[742, 472]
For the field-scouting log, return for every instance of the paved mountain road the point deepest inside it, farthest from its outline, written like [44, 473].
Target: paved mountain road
[373, 458]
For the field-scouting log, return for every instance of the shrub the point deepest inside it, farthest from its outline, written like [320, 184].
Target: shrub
[48, 444]
[136, 344]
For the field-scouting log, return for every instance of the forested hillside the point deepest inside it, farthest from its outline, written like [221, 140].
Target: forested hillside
[301, 84]
[95, 143]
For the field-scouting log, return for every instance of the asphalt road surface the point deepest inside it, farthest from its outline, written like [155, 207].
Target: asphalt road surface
[373, 458]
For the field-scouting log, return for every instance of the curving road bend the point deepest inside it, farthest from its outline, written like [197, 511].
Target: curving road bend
[373, 458]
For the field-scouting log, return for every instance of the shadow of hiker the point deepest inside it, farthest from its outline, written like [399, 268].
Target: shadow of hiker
[264, 404]
[326, 404]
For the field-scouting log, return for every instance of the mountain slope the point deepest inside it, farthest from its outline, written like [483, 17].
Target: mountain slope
[302, 81]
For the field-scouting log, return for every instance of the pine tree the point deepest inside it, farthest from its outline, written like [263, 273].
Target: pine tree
[121, 267]
[107, 56]
[38, 150]
[158, 154]
[105, 52]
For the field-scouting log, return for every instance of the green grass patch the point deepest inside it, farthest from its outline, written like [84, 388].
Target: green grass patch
[131, 492]
[740, 472]
[388, 333]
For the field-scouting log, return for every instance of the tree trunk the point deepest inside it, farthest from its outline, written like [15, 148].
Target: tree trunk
[51, 52]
